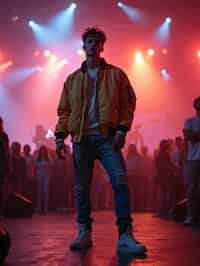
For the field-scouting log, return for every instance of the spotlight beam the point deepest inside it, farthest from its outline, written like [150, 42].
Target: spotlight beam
[133, 13]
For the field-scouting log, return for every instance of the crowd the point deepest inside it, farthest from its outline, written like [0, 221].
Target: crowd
[156, 182]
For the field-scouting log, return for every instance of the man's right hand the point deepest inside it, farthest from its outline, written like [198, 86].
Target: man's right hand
[61, 148]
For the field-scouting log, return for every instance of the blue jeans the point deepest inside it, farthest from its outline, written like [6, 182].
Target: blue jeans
[84, 154]
[192, 174]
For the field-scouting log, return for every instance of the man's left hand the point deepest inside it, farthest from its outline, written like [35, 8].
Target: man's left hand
[119, 141]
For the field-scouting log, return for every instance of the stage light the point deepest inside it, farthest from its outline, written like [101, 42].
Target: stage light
[47, 53]
[53, 57]
[4, 66]
[36, 53]
[40, 69]
[73, 6]
[163, 71]
[165, 74]
[61, 25]
[198, 53]
[18, 75]
[15, 18]
[163, 31]
[139, 60]
[64, 62]
[150, 52]
[164, 51]
[49, 134]
[138, 56]
[168, 19]
[31, 23]
[135, 14]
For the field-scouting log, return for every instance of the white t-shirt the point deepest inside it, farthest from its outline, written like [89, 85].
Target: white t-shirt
[193, 123]
[92, 120]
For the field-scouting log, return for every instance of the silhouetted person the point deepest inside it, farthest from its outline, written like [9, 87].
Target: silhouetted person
[178, 160]
[191, 133]
[147, 181]
[96, 107]
[17, 169]
[43, 167]
[134, 168]
[165, 176]
[40, 136]
[4, 161]
[29, 182]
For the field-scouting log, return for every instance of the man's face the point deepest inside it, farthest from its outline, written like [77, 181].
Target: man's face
[93, 46]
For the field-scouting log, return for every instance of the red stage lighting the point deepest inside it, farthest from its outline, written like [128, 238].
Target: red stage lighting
[150, 52]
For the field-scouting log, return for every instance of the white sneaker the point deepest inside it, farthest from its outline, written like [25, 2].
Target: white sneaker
[188, 221]
[127, 243]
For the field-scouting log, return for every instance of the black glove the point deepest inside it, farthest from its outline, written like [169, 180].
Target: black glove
[60, 148]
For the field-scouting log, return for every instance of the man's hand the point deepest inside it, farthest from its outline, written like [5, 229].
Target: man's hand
[119, 141]
[60, 148]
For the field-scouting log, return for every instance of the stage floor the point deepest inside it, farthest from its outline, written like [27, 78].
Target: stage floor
[44, 241]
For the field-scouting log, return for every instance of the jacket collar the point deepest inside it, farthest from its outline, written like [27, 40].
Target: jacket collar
[103, 64]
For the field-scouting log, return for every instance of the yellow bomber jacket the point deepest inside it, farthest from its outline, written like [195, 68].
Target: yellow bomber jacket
[116, 102]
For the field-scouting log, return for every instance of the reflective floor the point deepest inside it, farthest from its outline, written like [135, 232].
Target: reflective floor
[44, 241]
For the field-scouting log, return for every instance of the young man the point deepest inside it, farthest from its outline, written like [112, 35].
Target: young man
[96, 107]
[191, 133]
[4, 161]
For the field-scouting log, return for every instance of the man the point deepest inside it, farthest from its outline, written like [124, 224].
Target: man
[4, 161]
[191, 133]
[96, 107]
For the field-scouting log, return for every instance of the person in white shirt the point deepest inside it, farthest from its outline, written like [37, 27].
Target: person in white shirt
[191, 132]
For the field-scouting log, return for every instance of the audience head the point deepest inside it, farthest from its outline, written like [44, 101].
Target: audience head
[15, 149]
[132, 150]
[164, 145]
[27, 149]
[179, 142]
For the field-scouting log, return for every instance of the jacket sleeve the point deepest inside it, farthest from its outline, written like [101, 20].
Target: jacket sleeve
[63, 112]
[127, 103]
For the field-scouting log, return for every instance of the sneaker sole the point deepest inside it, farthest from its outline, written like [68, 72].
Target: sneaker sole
[127, 250]
[80, 248]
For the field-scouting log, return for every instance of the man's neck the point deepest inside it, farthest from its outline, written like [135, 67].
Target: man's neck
[93, 62]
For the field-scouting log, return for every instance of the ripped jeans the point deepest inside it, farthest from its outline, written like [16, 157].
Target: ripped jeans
[84, 154]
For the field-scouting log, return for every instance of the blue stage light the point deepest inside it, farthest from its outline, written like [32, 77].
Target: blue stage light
[133, 13]
[163, 71]
[163, 31]
[73, 5]
[31, 23]
[168, 19]
[165, 74]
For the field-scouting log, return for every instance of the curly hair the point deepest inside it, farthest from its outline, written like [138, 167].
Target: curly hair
[94, 32]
